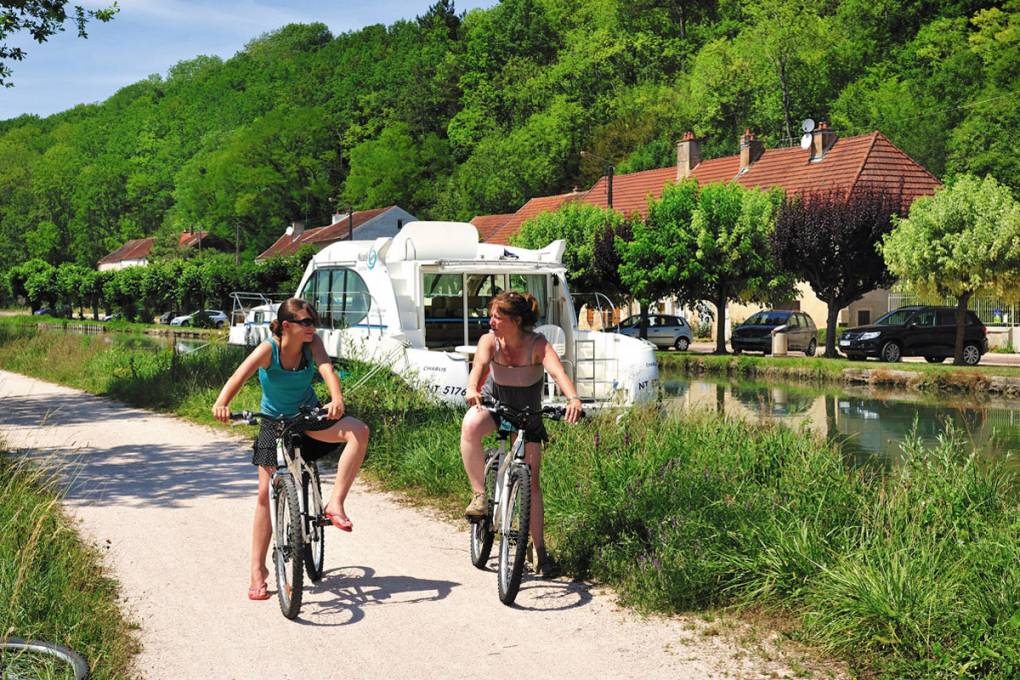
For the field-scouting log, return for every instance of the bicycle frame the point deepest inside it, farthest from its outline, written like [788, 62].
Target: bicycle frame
[290, 462]
[504, 463]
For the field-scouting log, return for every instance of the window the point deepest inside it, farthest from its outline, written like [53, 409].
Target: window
[793, 321]
[339, 295]
[925, 318]
[896, 318]
[863, 317]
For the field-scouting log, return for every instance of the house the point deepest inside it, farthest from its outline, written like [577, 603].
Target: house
[135, 253]
[487, 225]
[827, 163]
[359, 225]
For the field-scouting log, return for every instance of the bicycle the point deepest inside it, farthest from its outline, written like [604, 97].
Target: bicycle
[34, 659]
[295, 509]
[508, 495]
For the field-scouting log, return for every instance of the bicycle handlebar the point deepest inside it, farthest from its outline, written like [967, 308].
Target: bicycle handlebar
[550, 412]
[307, 414]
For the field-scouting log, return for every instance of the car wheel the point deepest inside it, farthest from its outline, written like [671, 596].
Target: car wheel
[890, 352]
[811, 347]
[681, 344]
[934, 360]
[971, 354]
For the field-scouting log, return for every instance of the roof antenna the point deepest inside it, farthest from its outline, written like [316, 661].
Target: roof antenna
[807, 125]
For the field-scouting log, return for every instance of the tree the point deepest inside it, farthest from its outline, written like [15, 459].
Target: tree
[40, 20]
[651, 261]
[961, 242]
[830, 241]
[722, 253]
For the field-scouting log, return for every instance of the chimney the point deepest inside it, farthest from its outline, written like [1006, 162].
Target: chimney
[337, 217]
[296, 229]
[688, 155]
[751, 150]
[350, 224]
[822, 139]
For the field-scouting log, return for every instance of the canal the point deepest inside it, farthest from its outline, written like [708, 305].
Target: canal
[870, 423]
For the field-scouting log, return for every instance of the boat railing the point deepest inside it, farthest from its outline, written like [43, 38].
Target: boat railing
[244, 301]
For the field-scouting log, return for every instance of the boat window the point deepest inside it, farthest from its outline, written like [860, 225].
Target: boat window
[340, 297]
[444, 310]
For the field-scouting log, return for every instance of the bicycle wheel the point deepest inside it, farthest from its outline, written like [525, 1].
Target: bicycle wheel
[288, 550]
[513, 542]
[481, 530]
[315, 549]
[34, 659]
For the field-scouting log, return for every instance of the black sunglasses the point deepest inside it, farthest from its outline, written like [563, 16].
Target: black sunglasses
[307, 323]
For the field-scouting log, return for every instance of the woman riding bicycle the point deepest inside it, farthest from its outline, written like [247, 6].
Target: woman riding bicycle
[286, 365]
[519, 359]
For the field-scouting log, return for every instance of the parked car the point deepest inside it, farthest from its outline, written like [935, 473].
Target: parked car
[755, 334]
[917, 331]
[202, 318]
[165, 317]
[664, 330]
[42, 311]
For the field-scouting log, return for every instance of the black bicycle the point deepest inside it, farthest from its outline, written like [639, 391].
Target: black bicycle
[296, 508]
[34, 659]
[508, 495]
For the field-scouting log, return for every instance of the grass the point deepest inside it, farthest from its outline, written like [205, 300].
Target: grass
[54, 586]
[905, 571]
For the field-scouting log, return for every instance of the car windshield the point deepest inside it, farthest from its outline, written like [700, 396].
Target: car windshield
[895, 318]
[767, 319]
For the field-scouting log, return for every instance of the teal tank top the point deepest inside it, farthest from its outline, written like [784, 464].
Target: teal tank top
[285, 392]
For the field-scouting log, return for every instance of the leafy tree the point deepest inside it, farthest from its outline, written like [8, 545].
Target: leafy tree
[18, 278]
[40, 20]
[69, 287]
[722, 253]
[961, 242]
[41, 286]
[830, 241]
[651, 261]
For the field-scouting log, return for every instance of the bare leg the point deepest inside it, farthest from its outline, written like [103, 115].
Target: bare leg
[262, 532]
[533, 456]
[476, 425]
[355, 433]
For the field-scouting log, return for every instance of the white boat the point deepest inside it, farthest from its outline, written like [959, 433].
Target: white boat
[417, 304]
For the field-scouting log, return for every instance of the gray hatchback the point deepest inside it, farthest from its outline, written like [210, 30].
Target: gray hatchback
[664, 330]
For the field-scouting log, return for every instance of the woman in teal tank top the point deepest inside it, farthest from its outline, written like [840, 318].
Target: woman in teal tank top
[286, 364]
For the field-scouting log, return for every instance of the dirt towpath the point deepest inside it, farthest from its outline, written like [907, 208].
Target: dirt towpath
[173, 501]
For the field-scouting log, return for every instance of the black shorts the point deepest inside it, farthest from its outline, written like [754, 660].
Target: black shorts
[533, 433]
[264, 449]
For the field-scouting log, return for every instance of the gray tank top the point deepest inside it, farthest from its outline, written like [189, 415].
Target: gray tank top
[524, 375]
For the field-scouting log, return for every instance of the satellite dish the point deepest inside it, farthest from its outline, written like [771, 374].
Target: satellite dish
[805, 141]
[807, 125]
[290, 230]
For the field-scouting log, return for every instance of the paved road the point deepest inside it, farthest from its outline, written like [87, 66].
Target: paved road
[399, 599]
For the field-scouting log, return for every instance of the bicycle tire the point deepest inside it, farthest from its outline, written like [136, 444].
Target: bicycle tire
[20, 658]
[315, 548]
[513, 543]
[482, 533]
[288, 552]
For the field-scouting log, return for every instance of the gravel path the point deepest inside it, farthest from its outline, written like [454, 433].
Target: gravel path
[173, 501]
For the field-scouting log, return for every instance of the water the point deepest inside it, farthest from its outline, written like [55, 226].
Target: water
[870, 423]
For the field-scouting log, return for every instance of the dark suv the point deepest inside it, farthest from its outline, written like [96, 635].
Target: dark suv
[928, 332]
[755, 334]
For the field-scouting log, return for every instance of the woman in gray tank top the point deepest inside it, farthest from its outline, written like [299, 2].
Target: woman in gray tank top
[518, 359]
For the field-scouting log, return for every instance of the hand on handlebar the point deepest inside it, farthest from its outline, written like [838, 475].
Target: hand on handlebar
[221, 413]
[573, 412]
[335, 409]
[473, 397]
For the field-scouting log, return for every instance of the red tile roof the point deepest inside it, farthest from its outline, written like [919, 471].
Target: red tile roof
[865, 160]
[533, 207]
[135, 249]
[488, 224]
[320, 236]
[190, 239]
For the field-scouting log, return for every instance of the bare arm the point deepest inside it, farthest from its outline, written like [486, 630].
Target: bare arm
[552, 364]
[479, 370]
[259, 358]
[335, 407]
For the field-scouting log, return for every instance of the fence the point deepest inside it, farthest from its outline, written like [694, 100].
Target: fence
[990, 310]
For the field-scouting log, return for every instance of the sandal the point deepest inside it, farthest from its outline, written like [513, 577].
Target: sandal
[258, 592]
[341, 523]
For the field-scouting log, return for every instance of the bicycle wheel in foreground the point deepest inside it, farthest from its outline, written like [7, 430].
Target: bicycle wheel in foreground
[481, 530]
[315, 549]
[40, 660]
[288, 551]
[513, 543]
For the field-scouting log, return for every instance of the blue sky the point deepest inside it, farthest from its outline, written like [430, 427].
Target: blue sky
[150, 36]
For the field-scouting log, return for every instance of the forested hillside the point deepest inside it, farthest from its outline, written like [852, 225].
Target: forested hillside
[451, 115]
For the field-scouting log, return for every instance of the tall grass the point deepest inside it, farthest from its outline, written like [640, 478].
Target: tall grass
[908, 571]
[52, 585]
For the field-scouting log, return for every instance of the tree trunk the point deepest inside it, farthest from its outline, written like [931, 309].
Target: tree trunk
[643, 326]
[961, 325]
[830, 330]
[781, 60]
[720, 320]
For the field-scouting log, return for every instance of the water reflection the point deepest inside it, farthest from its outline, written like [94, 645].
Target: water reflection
[867, 422]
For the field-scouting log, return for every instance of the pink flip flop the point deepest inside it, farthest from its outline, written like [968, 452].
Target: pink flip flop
[339, 522]
[258, 592]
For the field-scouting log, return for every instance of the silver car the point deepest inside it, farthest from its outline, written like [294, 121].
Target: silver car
[664, 330]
